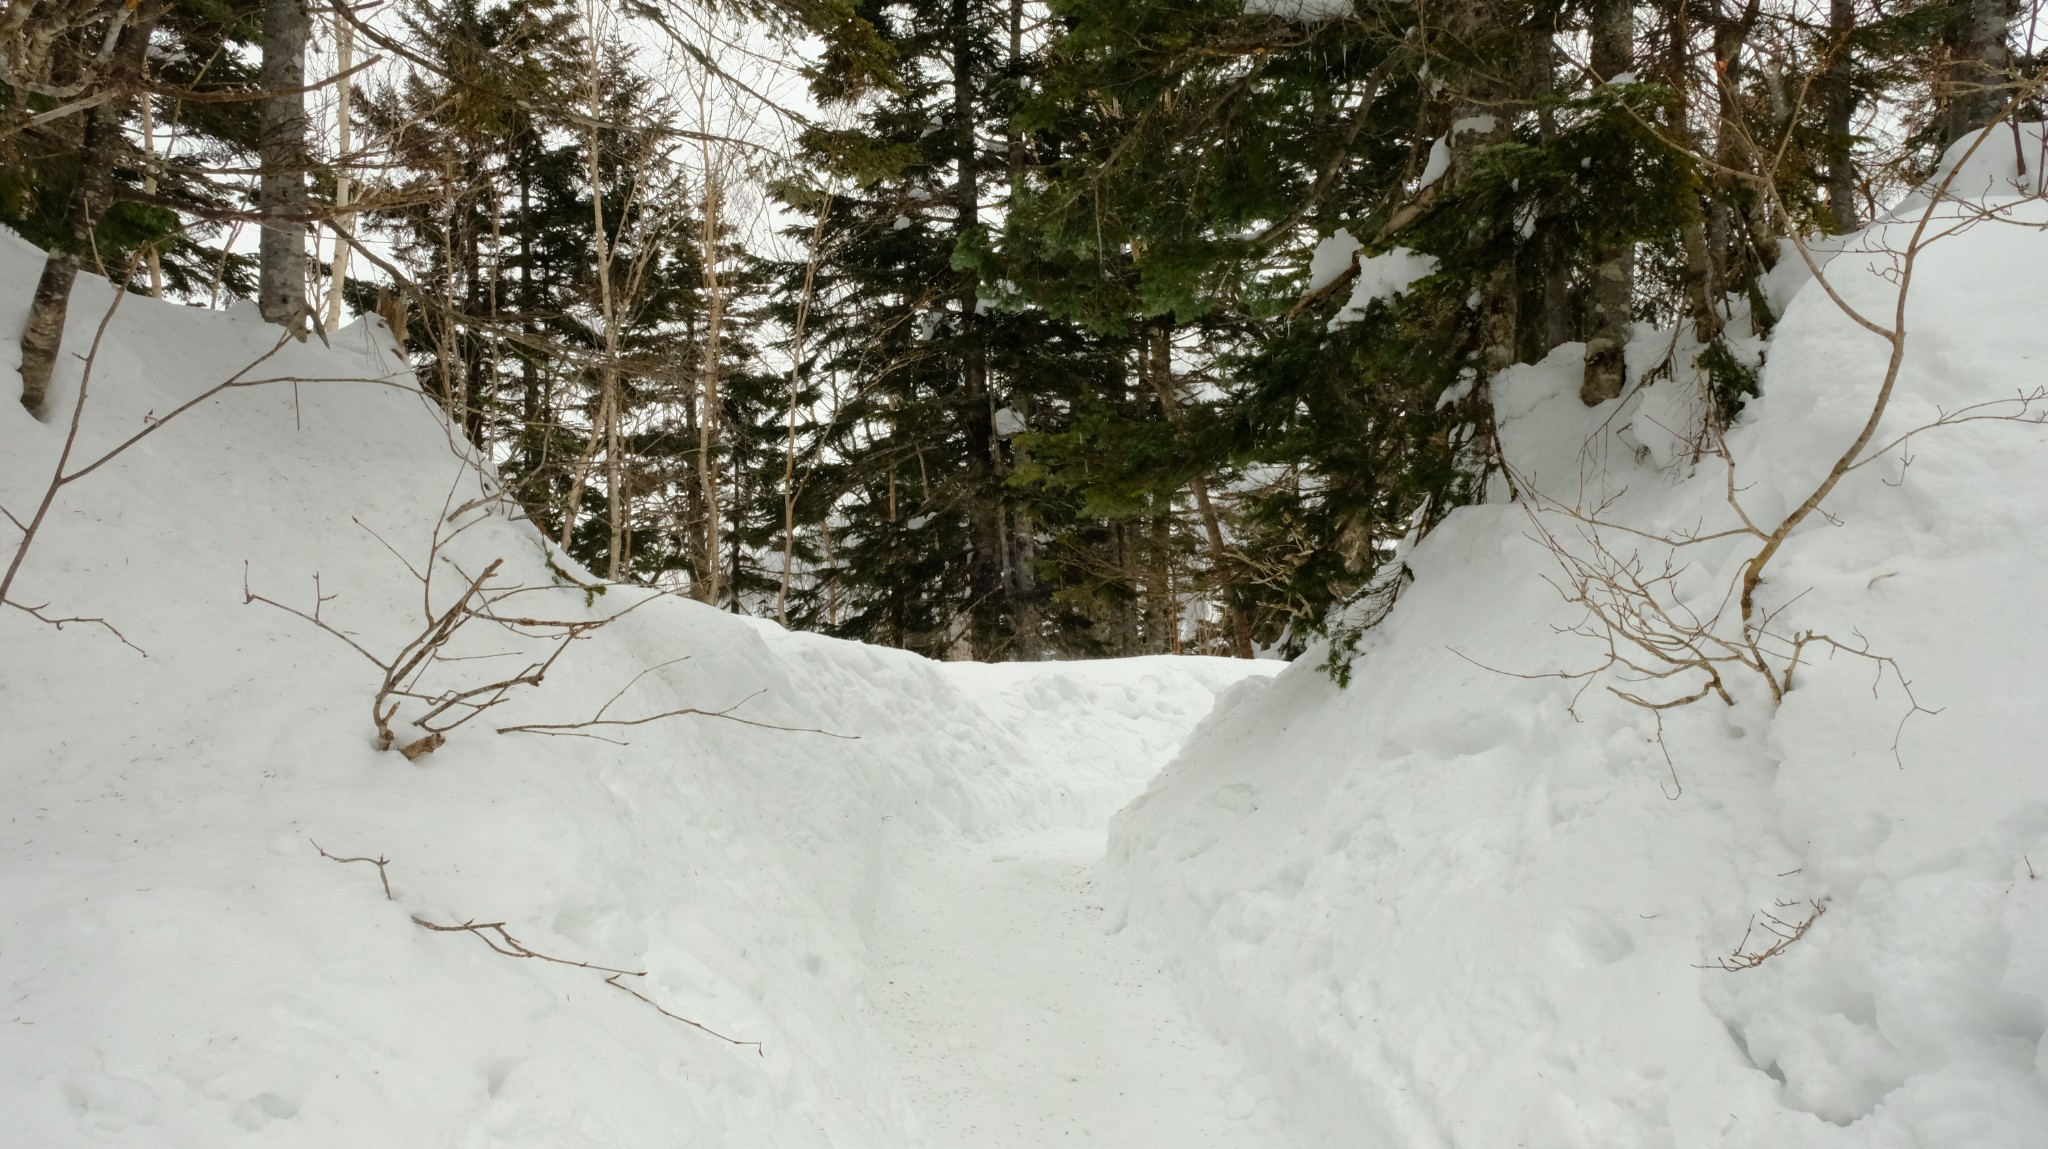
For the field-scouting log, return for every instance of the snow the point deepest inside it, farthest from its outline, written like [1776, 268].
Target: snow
[997, 972]
[1331, 258]
[1477, 899]
[1463, 903]
[1380, 277]
[179, 964]
[1439, 162]
[1303, 11]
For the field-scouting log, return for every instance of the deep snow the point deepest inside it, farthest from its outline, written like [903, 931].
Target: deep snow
[1448, 906]
[179, 966]
[1442, 909]
[1023, 1018]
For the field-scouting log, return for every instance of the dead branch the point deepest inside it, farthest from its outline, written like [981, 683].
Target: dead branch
[615, 983]
[404, 671]
[495, 935]
[500, 939]
[379, 861]
[599, 719]
[1781, 933]
[36, 612]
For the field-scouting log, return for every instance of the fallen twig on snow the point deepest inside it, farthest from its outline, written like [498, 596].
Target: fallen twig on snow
[380, 862]
[500, 939]
[1782, 932]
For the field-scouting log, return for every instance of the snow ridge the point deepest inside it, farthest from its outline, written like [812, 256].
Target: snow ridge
[1464, 904]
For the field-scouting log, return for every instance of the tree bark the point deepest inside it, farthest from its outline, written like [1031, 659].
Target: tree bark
[344, 59]
[1838, 110]
[1611, 294]
[1726, 255]
[1973, 89]
[281, 193]
[712, 410]
[1700, 283]
[990, 608]
[92, 192]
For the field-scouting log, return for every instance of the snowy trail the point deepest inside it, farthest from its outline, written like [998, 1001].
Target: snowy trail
[1021, 1022]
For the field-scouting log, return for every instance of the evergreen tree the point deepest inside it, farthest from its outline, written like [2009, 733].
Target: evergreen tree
[938, 550]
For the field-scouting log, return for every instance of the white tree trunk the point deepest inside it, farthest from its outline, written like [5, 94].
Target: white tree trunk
[344, 59]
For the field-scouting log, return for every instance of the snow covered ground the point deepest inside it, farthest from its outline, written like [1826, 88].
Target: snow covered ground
[1023, 1018]
[179, 966]
[1446, 907]
[1463, 903]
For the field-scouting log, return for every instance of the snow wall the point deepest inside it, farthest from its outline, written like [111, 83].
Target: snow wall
[180, 967]
[1446, 908]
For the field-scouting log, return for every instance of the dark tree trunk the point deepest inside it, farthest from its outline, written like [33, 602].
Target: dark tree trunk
[1974, 92]
[990, 620]
[1839, 96]
[1611, 293]
[1699, 284]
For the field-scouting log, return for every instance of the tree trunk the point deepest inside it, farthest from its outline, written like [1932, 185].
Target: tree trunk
[1612, 291]
[43, 334]
[1699, 282]
[708, 383]
[1478, 122]
[146, 105]
[990, 615]
[1558, 324]
[92, 192]
[344, 58]
[1159, 372]
[1162, 624]
[281, 193]
[1974, 92]
[1838, 108]
[1730, 250]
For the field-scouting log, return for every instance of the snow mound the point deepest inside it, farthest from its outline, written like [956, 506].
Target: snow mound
[180, 965]
[1464, 903]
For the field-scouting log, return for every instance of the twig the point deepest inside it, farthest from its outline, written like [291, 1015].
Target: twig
[500, 940]
[557, 728]
[510, 946]
[615, 983]
[1783, 933]
[379, 861]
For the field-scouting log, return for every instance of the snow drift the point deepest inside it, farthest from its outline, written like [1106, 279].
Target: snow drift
[180, 966]
[1447, 907]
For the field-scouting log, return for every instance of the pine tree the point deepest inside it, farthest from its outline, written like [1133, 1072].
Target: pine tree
[944, 548]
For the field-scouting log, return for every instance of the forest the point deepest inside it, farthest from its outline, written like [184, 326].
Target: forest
[1000, 574]
[991, 328]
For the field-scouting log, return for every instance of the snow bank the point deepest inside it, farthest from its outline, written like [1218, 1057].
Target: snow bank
[1443, 909]
[181, 967]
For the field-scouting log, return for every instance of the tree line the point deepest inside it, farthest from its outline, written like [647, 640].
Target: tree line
[989, 328]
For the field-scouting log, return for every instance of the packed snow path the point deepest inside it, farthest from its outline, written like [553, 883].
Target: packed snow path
[1021, 1018]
